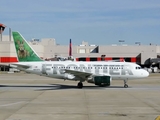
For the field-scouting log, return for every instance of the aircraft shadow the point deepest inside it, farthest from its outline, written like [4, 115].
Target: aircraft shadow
[56, 87]
[84, 87]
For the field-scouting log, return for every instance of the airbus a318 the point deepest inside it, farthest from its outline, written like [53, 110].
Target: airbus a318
[99, 73]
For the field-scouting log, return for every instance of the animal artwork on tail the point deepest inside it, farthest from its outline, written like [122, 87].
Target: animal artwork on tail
[22, 52]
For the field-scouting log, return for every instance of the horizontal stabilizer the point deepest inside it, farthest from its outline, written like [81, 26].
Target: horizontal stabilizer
[19, 66]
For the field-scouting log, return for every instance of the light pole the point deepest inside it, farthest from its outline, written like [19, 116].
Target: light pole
[121, 41]
[139, 43]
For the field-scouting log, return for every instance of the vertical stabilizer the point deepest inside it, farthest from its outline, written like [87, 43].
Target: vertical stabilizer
[24, 51]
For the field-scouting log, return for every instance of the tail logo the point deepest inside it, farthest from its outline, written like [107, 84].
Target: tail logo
[22, 52]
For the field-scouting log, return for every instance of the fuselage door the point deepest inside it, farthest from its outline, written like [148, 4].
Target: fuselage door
[44, 69]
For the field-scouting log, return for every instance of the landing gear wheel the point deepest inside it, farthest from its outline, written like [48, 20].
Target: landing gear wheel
[125, 83]
[125, 86]
[80, 85]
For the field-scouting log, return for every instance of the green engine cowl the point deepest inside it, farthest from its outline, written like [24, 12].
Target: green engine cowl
[102, 80]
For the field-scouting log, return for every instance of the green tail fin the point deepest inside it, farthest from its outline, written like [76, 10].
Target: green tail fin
[24, 51]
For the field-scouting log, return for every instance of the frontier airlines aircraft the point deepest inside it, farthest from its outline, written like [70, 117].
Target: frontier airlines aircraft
[99, 73]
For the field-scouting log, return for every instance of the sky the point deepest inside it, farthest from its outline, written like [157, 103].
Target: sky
[100, 22]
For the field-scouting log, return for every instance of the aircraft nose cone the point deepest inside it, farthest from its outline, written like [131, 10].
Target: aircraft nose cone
[146, 73]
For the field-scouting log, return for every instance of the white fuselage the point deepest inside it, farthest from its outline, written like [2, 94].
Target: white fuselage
[56, 69]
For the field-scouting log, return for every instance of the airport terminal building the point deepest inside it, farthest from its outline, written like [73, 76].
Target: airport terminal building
[144, 55]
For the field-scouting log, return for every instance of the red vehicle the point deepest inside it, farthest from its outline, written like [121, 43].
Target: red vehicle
[2, 27]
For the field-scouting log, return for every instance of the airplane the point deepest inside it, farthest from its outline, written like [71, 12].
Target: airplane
[99, 73]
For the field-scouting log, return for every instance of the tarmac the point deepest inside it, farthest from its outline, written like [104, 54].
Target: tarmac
[32, 97]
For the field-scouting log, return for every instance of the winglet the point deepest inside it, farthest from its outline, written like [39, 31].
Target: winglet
[24, 51]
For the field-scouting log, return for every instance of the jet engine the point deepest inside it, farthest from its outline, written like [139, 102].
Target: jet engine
[101, 80]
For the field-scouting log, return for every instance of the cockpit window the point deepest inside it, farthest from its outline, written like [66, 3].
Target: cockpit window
[138, 67]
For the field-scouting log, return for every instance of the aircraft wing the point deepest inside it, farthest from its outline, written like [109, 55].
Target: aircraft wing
[20, 66]
[79, 74]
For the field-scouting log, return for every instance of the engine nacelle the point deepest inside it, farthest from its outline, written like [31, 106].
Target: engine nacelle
[102, 80]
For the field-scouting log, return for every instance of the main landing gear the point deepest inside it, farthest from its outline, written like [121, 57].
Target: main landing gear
[125, 84]
[80, 85]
